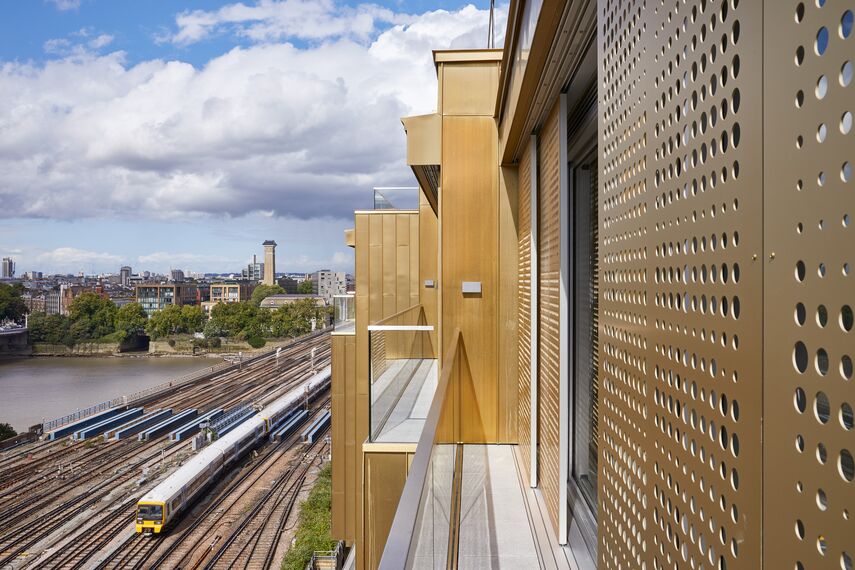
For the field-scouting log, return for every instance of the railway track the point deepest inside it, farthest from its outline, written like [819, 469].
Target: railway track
[252, 543]
[195, 542]
[36, 507]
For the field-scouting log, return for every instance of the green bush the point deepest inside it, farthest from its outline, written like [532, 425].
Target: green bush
[215, 342]
[256, 341]
[313, 532]
[171, 342]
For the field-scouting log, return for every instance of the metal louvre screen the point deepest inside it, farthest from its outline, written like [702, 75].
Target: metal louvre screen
[549, 266]
[809, 100]
[681, 284]
[524, 310]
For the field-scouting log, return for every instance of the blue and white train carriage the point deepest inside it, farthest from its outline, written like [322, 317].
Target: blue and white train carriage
[157, 508]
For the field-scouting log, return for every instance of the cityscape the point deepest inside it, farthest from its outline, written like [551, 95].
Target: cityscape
[427, 284]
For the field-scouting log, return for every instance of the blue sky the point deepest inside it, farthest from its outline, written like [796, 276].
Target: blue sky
[163, 134]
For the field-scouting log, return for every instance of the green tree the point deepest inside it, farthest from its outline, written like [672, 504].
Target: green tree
[305, 287]
[53, 329]
[12, 306]
[232, 319]
[92, 316]
[7, 431]
[130, 320]
[165, 322]
[261, 292]
[192, 318]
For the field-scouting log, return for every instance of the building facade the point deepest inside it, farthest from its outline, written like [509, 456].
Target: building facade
[156, 296]
[634, 253]
[327, 283]
[125, 276]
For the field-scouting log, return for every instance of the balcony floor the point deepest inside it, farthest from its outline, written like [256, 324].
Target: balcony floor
[407, 418]
[494, 532]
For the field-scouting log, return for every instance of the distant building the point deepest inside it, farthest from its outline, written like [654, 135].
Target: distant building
[327, 284]
[230, 292]
[269, 262]
[276, 301]
[176, 275]
[254, 271]
[35, 302]
[125, 275]
[155, 296]
[53, 301]
[289, 284]
[68, 293]
[203, 293]
[8, 268]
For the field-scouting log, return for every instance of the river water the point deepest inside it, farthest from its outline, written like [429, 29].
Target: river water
[34, 389]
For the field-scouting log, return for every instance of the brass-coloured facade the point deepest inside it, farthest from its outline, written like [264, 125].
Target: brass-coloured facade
[711, 142]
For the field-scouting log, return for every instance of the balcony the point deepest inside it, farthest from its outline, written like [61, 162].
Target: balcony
[396, 198]
[344, 318]
[465, 504]
[403, 376]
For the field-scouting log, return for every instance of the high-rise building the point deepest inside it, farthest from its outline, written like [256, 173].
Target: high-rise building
[176, 276]
[269, 262]
[125, 275]
[8, 268]
[326, 284]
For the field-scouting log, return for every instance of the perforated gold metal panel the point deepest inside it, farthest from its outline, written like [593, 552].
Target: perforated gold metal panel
[549, 266]
[524, 312]
[809, 287]
[681, 305]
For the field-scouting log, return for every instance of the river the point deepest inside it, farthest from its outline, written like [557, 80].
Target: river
[34, 389]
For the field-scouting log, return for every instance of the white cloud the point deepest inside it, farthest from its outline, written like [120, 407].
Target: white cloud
[72, 259]
[270, 20]
[293, 131]
[339, 261]
[100, 41]
[65, 5]
[162, 259]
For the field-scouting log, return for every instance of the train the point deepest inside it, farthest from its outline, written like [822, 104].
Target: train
[161, 505]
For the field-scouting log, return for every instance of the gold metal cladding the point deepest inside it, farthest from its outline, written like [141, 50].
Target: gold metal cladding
[681, 306]
[809, 345]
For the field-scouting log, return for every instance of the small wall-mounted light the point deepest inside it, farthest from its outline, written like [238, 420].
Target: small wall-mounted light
[429, 283]
[471, 287]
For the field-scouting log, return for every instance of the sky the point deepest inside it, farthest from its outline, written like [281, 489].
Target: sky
[164, 134]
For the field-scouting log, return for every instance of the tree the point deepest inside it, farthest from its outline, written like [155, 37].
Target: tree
[130, 320]
[164, 322]
[305, 287]
[192, 318]
[7, 431]
[92, 316]
[261, 292]
[53, 329]
[12, 306]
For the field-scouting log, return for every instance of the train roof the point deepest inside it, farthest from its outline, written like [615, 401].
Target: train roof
[197, 464]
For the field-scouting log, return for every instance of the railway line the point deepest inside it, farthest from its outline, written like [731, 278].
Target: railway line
[63, 503]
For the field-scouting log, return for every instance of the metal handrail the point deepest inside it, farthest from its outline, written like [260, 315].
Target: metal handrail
[387, 320]
[399, 541]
